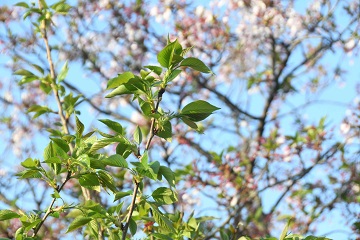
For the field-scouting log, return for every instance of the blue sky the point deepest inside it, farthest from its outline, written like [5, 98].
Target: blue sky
[342, 92]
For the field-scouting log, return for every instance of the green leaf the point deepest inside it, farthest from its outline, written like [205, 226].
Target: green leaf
[30, 225]
[285, 230]
[198, 110]
[120, 195]
[223, 235]
[116, 160]
[115, 126]
[132, 226]
[145, 159]
[165, 131]
[62, 144]
[78, 222]
[162, 220]
[63, 72]
[195, 64]
[103, 143]
[161, 236]
[29, 173]
[44, 5]
[119, 80]
[155, 69]
[22, 4]
[189, 123]
[145, 106]
[85, 159]
[165, 56]
[38, 68]
[61, 7]
[24, 72]
[155, 166]
[164, 195]
[119, 91]
[168, 174]
[133, 86]
[79, 127]
[56, 194]
[173, 75]
[29, 163]
[124, 149]
[39, 110]
[53, 160]
[8, 214]
[138, 135]
[90, 181]
[106, 180]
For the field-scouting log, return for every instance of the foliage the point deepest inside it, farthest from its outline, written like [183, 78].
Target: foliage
[141, 169]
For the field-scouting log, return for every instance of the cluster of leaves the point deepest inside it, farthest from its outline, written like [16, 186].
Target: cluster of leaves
[77, 159]
[77, 155]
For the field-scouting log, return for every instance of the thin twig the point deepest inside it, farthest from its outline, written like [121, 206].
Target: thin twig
[60, 112]
[49, 210]
[147, 146]
[131, 210]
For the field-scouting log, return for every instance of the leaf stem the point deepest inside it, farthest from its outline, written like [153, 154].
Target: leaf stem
[132, 207]
[63, 119]
[147, 146]
[49, 210]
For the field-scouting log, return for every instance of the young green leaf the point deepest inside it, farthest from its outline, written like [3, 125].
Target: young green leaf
[285, 230]
[78, 222]
[195, 64]
[168, 174]
[79, 127]
[53, 160]
[22, 4]
[124, 149]
[145, 159]
[39, 110]
[198, 110]
[61, 143]
[165, 131]
[165, 56]
[29, 163]
[155, 69]
[190, 123]
[138, 135]
[132, 226]
[119, 80]
[24, 72]
[163, 195]
[103, 143]
[106, 180]
[134, 86]
[173, 75]
[7, 214]
[90, 181]
[63, 73]
[115, 160]
[38, 68]
[115, 126]
[161, 219]
[120, 195]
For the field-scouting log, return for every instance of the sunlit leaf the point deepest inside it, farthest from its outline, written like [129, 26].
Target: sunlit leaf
[78, 222]
[7, 214]
[195, 64]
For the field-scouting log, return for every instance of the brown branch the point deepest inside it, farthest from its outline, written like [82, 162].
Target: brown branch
[226, 100]
[63, 119]
[49, 210]
[328, 154]
[131, 210]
